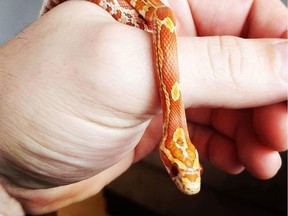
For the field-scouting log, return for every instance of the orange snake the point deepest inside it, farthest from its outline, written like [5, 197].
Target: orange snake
[177, 152]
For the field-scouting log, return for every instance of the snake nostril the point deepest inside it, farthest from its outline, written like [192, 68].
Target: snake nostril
[174, 170]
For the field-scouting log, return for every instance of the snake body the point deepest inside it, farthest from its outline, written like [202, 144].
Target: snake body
[177, 152]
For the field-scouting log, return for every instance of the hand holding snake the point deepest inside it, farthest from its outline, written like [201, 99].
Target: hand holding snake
[82, 36]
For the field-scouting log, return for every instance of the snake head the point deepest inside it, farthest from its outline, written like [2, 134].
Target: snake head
[186, 175]
[181, 160]
[187, 180]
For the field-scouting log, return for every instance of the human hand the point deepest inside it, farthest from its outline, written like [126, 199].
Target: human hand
[87, 112]
[244, 122]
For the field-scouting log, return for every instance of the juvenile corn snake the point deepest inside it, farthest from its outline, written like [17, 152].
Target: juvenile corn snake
[177, 152]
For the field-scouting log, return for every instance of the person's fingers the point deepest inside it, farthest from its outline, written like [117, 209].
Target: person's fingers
[225, 121]
[184, 24]
[259, 160]
[232, 72]
[244, 148]
[267, 19]
[216, 148]
[252, 18]
[270, 124]
[219, 17]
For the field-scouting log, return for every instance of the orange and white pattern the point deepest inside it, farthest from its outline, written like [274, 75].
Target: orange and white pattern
[177, 152]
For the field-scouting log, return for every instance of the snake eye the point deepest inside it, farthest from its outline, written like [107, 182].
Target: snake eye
[174, 170]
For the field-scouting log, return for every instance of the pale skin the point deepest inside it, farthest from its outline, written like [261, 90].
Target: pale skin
[75, 97]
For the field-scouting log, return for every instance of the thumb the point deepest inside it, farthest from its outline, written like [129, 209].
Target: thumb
[232, 72]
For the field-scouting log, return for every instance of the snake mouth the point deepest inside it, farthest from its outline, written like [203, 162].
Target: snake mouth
[189, 181]
[186, 186]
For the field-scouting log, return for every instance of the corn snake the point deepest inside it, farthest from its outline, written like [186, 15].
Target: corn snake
[177, 152]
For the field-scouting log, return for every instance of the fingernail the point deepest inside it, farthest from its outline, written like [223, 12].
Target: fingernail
[282, 50]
